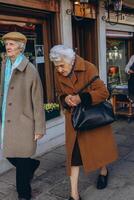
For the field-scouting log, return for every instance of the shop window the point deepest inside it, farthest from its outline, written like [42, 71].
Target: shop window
[34, 50]
[117, 52]
[42, 31]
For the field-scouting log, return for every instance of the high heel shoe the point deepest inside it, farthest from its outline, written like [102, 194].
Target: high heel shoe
[102, 181]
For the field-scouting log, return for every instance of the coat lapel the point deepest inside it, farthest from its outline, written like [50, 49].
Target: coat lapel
[2, 77]
[78, 66]
[20, 67]
[23, 64]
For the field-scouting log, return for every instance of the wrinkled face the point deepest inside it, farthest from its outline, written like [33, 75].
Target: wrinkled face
[63, 67]
[12, 48]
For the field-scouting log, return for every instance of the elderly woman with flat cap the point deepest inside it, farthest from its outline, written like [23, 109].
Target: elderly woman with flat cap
[92, 149]
[22, 112]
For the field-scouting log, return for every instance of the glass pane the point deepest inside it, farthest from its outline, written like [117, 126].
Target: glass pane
[34, 51]
[34, 44]
[116, 61]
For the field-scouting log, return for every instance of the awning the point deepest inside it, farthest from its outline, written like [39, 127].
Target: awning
[118, 34]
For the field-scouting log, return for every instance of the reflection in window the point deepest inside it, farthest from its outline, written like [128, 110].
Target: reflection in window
[116, 61]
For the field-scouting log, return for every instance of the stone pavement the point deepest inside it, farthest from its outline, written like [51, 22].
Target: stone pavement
[51, 183]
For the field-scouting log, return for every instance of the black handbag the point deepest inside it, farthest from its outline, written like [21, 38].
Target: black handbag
[87, 117]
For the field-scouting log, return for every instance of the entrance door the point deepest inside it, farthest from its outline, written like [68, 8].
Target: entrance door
[84, 39]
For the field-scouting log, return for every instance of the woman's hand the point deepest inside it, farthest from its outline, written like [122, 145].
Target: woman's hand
[72, 100]
[130, 71]
[38, 136]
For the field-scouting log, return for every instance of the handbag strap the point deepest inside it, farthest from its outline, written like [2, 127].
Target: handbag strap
[87, 84]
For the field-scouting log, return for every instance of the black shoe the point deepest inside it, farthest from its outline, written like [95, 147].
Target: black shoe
[34, 168]
[23, 198]
[71, 198]
[102, 181]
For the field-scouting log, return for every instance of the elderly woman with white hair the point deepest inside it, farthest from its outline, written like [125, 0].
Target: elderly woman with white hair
[92, 149]
[23, 121]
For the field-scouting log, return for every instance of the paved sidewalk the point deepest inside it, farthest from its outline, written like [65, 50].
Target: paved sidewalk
[51, 183]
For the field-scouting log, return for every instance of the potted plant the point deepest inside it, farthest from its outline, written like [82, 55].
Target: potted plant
[52, 110]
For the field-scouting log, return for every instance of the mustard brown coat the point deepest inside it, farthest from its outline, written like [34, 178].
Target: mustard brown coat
[24, 111]
[97, 146]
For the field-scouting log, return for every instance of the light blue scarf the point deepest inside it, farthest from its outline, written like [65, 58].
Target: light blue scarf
[8, 74]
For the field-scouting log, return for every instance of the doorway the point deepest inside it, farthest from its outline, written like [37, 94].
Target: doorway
[40, 39]
[85, 39]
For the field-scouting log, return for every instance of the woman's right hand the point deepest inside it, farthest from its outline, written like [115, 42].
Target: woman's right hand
[69, 101]
[130, 71]
[72, 100]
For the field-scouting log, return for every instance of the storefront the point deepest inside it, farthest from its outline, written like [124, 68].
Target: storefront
[115, 40]
[105, 39]
[40, 22]
[115, 47]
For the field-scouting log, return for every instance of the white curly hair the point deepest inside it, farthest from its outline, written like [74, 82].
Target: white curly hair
[59, 52]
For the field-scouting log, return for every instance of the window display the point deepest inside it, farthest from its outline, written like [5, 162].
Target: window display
[116, 61]
[35, 52]
[34, 36]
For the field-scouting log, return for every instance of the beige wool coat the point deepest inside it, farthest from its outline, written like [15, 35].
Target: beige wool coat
[24, 111]
[97, 146]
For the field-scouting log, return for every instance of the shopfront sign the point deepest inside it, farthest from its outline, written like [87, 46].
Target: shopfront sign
[85, 10]
[127, 19]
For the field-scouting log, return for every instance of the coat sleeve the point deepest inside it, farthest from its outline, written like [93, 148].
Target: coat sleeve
[61, 96]
[37, 102]
[131, 61]
[98, 91]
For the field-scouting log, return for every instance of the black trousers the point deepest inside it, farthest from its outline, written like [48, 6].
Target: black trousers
[23, 174]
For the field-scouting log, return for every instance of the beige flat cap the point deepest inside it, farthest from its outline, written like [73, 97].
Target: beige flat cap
[17, 36]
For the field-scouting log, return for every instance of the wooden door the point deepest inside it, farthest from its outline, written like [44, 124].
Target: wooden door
[85, 39]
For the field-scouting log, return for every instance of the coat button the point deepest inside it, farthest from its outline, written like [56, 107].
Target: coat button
[8, 120]
[12, 87]
[10, 104]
